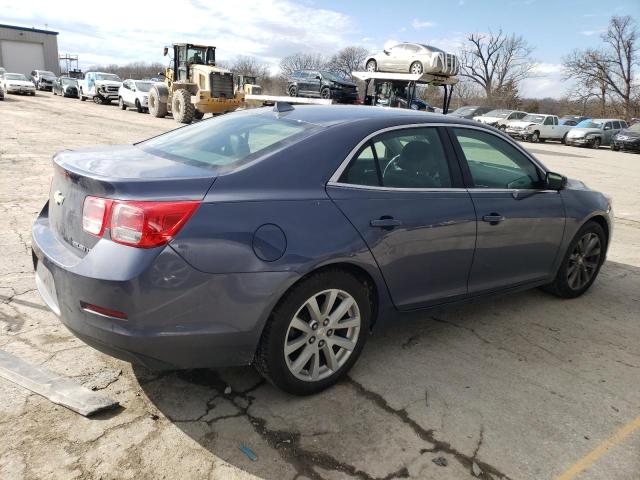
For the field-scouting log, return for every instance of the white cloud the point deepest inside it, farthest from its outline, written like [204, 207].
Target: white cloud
[420, 24]
[131, 31]
[547, 68]
[590, 33]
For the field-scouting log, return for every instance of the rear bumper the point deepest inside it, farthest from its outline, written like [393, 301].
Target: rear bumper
[177, 316]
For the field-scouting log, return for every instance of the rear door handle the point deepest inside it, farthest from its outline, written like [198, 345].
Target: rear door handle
[493, 219]
[386, 222]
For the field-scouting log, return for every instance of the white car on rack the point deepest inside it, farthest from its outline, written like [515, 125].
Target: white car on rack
[135, 93]
[538, 128]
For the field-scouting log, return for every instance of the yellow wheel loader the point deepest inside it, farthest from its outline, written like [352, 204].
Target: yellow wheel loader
[194, 85]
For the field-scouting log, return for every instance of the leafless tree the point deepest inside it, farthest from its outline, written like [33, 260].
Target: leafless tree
[244, 65]
[588, 69]
[348, 60]
[497, 62]
[302, 61]
[135, 70]
[621, 58]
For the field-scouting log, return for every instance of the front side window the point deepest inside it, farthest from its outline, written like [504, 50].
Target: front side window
[408, 158]
[495, 163]
[616, 124]
[548, 121]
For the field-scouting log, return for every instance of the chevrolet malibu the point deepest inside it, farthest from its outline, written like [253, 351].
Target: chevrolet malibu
[280, 237]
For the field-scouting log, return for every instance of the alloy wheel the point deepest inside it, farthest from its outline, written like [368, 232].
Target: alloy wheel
[584, 261]
[322, 335]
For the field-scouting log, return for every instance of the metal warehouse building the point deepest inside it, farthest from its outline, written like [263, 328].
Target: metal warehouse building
[25, 49]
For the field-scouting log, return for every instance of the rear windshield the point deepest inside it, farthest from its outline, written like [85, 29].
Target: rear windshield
[227, 141]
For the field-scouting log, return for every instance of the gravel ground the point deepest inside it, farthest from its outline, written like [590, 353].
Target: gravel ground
[519, 387]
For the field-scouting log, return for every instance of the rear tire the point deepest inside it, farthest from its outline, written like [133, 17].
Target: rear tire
[181, 106]
[299, 352]
[564, 139]
[581, 263]
[157, 108]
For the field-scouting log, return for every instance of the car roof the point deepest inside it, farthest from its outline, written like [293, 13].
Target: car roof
[328, 115]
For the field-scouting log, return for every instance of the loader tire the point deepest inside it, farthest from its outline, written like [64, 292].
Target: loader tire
[157, 108]
[181, 107]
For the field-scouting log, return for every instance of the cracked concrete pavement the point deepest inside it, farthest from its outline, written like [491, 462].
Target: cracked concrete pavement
[514, 387]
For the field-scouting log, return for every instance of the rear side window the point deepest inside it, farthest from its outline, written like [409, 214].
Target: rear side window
[495, 163]
[227, 141]
[616, 124]
[410, 158]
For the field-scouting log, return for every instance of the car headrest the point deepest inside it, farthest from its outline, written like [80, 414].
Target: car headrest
[413, 156]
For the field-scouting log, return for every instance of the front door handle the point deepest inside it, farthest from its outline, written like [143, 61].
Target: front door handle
[493, 218]
[386, 223]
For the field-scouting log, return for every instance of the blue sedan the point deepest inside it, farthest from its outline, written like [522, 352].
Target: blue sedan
[279, 237]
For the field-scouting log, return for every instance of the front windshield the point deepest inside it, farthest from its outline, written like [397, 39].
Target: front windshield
[15, 76]
[69, 81]
[108, 76]
[634, 128]
[196, 55]
[144, 86]
[589, 124]
[227, 141]
[464, 111]
[533, 118]
[498, 113]
[332, 76]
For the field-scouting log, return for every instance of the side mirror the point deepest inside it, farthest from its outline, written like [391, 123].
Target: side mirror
[555, 181]
[318, 77]
[607, 128]
[161, 74]
[386, 52]
[165, 51]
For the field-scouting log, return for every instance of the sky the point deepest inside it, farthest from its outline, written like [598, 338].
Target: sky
[126, 31]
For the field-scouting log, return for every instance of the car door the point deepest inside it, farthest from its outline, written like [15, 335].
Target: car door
[520, 224]
[402, 190]
[548, 128]
[606, 133]
[314, 81]
[394, 59]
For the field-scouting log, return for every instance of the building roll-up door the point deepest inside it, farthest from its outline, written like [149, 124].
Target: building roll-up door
[22, 57]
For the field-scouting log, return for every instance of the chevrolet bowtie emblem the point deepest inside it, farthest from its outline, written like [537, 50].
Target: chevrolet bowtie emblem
[58, 197]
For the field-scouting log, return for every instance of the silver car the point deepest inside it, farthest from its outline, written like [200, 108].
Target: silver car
[594, 132]
[414, 58]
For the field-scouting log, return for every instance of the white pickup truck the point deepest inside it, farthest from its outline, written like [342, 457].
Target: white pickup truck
[538, 128]
[99, 86]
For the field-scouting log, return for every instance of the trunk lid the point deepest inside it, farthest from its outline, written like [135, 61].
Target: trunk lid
[120, 172]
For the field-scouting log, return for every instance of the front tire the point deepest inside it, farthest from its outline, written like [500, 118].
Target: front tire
[156, 108]
[535, 137]
[371, 66]
[121, 104]
[181, 106]
[581, 263]
[325, 93]
[316, 332]
[596, 143]
[139, 107]
[293, 91]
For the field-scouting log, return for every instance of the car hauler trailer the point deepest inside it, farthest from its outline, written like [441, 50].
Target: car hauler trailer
[399, 89]
[268, 100]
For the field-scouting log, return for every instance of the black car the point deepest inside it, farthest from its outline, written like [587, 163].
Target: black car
[627, 139]
[470, 111]
[322, 84]
[66, 87]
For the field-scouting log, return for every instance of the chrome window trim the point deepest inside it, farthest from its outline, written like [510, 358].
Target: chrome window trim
[393, 189]
[334, 180]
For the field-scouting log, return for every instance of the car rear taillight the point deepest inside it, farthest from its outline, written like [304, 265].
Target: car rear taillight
[94, 214]
[138, 224]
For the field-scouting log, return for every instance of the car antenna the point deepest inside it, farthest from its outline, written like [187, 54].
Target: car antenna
[281, 107]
